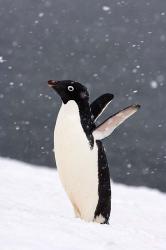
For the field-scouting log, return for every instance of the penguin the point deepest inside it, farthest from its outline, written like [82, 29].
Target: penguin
[79, 153]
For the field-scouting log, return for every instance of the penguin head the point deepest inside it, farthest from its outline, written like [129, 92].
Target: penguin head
[70, 90]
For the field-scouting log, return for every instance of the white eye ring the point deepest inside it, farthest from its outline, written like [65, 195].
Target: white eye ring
[70, 88]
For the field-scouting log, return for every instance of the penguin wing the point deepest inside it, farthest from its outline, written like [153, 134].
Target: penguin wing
[100, 104]
[108, 126]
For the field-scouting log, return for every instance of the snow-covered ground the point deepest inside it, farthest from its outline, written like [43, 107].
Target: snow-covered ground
[35, 214]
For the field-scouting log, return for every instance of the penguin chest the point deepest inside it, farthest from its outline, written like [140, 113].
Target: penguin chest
[77, 163]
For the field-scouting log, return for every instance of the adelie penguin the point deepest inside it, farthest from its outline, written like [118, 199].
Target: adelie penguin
[80, 156]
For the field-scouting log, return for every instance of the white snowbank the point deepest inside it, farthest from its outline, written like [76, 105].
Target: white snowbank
[35, 214]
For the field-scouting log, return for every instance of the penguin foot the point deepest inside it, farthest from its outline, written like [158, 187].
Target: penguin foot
[100, 219]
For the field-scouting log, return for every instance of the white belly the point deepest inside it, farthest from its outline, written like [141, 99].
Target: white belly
[77, 164]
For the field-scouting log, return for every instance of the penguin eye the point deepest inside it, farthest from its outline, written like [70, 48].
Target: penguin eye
[70, 88]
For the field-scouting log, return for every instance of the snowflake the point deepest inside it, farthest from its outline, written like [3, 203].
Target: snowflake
[153, 84]
[11, 83]
[41, 14]
[2, 60]
[105, 8]
[17, 127]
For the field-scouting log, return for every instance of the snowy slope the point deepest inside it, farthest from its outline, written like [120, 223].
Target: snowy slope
[35, 215]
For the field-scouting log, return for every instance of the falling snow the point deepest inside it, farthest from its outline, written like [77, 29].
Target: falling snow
[135, 91]
[115, 47]
[17, 127]
[11, 83]
[2, 60]
[41, 14]
[105, 8]
[154, 84]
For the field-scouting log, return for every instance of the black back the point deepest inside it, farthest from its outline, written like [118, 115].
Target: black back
[104, 188]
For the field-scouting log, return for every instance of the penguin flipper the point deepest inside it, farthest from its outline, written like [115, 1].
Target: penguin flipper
[99, 105]
[108, 126]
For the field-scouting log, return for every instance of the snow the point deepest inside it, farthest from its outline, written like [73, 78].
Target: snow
[11, 83]
[105, 8]
[17, 127]
[2, 60]
[162, 38]
[35, 214]
[153, 84]
[41, 14]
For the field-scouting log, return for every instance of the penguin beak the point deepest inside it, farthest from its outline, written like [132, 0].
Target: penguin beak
[52, 83]
[55, 85]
